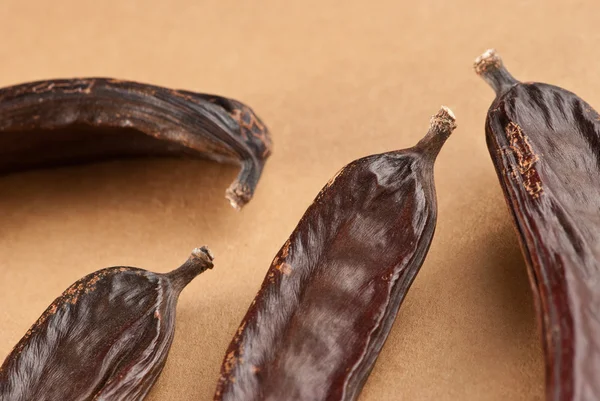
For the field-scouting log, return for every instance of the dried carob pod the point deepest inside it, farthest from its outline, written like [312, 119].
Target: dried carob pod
[329, 299]
[545, 145]
[70, 121]
[105, 338]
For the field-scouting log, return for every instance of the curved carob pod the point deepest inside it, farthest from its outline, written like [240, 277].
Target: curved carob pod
[331, 295]
[545, 145]
[69, 121]
[105, 338]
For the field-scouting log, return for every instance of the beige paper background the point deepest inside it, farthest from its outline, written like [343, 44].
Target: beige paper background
[334, 81]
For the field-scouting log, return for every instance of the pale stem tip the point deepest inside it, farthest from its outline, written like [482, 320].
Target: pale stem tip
[238, 195]
[204, 254]
[443, 120]
[490, 59]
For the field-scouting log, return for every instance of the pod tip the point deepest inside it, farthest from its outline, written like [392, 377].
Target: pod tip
[199, 261]
[204, 254]
[238, 195]
[443, 120]
[441, 126]
[488, 60]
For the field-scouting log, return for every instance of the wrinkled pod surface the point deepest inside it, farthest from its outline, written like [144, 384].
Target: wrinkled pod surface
[105, 338]
[545, 145]
[70, 121]
[331, 295]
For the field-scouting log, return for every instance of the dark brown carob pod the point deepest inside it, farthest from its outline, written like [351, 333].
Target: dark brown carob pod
[332, 293]
[105, 338]
[545, 145]
[68, 121]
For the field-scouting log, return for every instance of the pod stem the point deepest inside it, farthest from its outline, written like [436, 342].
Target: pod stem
[490, 67]
[199, 261]
[242, 189]
[441, 126]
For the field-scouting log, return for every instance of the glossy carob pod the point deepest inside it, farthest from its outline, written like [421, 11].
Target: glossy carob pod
[69, 121]
[105, 338]
[332, 293]
[545, 145]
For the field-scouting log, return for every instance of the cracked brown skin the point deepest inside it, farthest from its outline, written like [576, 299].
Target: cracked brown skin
[105, 338]
[71, 121]
[331, 295]
[545, 145]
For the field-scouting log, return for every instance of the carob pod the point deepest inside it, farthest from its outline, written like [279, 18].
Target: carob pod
[331, 295]
[545, 145]
[105, 338]
[68, 121]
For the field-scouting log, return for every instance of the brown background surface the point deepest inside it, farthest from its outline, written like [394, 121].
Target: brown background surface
[334, 81]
